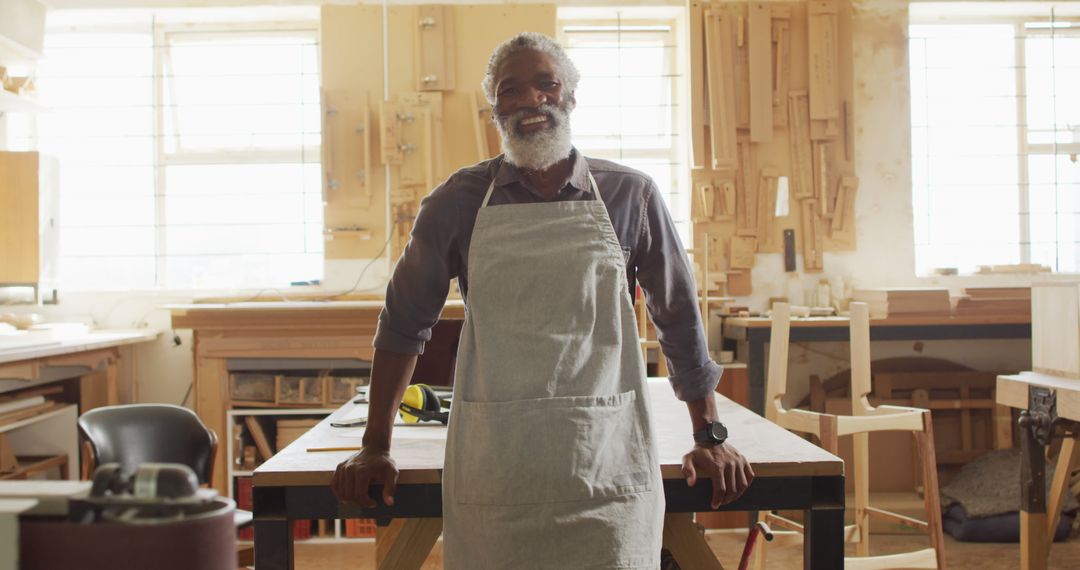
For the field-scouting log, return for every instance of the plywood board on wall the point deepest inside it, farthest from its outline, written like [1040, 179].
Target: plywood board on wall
[813, 170]
[351, 44]
[19, 195]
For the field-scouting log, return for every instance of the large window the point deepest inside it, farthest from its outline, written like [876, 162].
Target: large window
[628, 99]
[995, 113]
[188, 153]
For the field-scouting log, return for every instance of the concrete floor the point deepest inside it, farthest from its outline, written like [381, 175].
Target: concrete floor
[728, 547]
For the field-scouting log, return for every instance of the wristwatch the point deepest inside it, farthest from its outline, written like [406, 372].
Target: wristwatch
[714, 433]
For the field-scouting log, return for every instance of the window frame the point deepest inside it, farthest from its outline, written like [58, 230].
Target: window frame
[1020, 17]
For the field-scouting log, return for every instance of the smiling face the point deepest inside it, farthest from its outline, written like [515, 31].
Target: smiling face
[532, 112]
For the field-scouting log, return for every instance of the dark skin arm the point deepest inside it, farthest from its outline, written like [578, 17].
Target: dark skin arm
[731, 474]
[390, 375]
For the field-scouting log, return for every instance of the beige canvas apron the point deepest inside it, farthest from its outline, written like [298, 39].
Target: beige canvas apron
[550, 459]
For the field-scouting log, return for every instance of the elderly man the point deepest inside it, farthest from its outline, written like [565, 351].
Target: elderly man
[550, 458]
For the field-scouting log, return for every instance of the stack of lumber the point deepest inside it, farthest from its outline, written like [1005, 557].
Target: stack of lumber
[993, 301]
[913, 302]
[24, 406]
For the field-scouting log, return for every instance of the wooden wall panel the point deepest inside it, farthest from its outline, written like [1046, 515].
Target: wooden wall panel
[351, 44]
[19, 245]
[802, 131]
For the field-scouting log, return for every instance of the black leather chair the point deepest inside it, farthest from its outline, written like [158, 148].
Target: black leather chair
[152, 433]
[140, 433]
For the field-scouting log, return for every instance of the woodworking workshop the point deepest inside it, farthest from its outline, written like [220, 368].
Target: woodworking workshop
[539, 284]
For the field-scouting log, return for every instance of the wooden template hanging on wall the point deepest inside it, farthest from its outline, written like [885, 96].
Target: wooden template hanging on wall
[435, 48]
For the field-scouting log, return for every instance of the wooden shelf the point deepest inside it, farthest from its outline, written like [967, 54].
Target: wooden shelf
[10, 102]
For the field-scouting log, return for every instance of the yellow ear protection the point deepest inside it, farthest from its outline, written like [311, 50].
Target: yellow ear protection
[421, 404]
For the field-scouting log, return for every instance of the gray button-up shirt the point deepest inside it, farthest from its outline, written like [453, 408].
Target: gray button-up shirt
[438, 251]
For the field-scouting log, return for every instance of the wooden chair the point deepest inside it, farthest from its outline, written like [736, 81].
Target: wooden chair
[828, 428]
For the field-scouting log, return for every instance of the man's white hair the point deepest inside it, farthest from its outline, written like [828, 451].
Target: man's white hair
[529, 41]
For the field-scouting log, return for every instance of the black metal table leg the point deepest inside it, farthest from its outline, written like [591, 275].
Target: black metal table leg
[823, 543]
[756, 372]
[273, 530]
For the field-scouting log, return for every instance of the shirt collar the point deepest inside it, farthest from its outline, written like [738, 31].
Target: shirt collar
[579, 173]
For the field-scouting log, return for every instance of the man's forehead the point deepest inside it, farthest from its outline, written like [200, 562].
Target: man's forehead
[527, 64]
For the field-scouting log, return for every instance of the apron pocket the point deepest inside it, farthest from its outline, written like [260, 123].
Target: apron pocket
[550, 450]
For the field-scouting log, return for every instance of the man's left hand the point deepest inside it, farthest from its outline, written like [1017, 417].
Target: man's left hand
[730, 472]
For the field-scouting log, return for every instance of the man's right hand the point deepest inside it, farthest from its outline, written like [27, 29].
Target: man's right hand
[368, 466]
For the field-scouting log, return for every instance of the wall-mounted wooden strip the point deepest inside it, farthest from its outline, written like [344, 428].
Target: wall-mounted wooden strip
[718, 42]
[742, 252]
[824, 71]
[768, 238]
[802, 172]
[742, 75]
[842, 227]
[746, 195]
[390, 121]
[761, 72]
[435, 48]
[812, 242]
[821, 175]
[781, 39]
[698, 118]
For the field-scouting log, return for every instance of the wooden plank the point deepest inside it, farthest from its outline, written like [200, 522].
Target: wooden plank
[768, 236]
[761, 72]
[19, 235]
[745, 220]
[781, 39]
[21, 371]
[718, 41]
[434, 48]
[1066, 462]
[346, 149]
[1055, 329]
[742, 252]
[824, 72]
[727, 200]
[211, 401]
[698, 117]
[391, 116]
[686, 544]
[406, 542]
[739, 283]
[821, 175]
[802, 170]
[811, 237]
[776, 379]
[925, 442]
[262, 443]
[1034, 543]
[742, 72]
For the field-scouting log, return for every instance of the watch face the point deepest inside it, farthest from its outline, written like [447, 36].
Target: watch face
[719, 431]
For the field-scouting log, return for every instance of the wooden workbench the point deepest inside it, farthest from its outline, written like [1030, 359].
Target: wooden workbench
[791, 474]
[341, 329]
[35, 360]
[754, 331]
[1059, 399]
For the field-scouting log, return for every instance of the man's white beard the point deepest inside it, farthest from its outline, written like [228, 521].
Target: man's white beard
[539, 150]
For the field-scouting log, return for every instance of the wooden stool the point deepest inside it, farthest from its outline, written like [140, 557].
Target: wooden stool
[865, 419]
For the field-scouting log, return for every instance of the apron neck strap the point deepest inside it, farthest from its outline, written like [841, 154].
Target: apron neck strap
[592, 185]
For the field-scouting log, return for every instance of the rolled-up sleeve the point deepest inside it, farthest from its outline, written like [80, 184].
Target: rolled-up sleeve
[665, 274]
[421, 280]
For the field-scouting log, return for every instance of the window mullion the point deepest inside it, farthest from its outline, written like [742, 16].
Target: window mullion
[1024, 193]
[160, 56]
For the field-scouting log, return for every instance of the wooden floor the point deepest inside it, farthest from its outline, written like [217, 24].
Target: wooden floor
[728, 547]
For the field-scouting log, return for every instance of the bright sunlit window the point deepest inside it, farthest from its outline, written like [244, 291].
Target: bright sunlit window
[627, 101]
[995, 113]
[188, 154]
